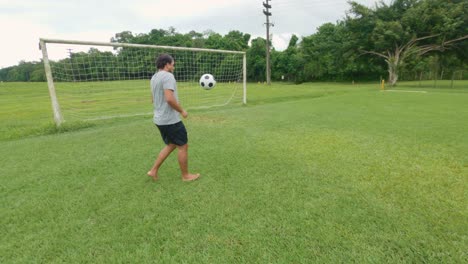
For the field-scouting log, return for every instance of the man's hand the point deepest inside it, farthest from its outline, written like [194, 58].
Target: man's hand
[184, 114]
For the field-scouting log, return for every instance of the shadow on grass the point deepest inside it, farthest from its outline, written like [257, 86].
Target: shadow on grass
[14, 133]
[281, 99]
[441, 85]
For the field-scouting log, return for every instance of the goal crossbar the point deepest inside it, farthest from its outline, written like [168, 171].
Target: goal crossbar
[130, 45]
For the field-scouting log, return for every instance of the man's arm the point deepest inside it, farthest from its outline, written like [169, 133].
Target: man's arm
[170, 99]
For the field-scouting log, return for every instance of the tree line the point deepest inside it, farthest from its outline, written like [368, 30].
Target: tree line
[404, 38]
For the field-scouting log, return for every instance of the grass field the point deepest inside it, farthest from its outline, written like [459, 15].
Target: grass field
[312, 173]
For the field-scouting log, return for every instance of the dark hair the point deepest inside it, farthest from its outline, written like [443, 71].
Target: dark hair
[163, 60]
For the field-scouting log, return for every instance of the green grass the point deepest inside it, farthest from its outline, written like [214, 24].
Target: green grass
[26, 109]
[315, 173]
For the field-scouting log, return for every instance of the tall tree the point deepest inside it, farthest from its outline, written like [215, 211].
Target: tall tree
[288, 63]
[394, 33]
[324, 52]
[256, 60]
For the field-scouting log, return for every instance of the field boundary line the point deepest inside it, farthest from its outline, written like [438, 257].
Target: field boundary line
[404, 91]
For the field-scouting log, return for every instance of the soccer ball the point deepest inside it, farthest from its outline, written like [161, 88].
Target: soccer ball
[207, 81]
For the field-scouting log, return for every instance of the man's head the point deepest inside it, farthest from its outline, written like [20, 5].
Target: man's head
[165, 62]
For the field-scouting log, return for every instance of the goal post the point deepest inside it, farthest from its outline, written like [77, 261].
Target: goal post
[100, 80]
[50, 83]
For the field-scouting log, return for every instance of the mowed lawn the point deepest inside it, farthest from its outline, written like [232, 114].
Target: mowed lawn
[312, 173]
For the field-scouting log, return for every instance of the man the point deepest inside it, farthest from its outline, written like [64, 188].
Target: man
[166, 117]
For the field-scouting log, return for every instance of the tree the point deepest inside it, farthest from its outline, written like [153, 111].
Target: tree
[236, 40]
[329, 54]
[123, 37]
[406, 27]
[214, 41]
[289, 63]
[256, 60]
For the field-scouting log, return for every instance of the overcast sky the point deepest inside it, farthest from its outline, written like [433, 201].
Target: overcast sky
[24, 22]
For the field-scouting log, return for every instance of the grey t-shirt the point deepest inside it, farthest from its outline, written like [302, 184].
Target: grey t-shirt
[164, 114]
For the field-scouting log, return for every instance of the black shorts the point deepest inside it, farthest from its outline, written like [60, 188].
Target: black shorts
[174, 134]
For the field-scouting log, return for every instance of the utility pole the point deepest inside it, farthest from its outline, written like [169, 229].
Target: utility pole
[268, 24]
[71, 63]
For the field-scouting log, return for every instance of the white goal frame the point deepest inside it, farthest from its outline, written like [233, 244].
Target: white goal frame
[58, 118]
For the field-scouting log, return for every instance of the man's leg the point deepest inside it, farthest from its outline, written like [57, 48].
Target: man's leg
[183, 163]
[165, 152]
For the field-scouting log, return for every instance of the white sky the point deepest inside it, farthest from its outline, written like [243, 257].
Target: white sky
[22, 23]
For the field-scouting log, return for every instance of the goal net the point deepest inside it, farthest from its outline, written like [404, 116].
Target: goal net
[95, 80]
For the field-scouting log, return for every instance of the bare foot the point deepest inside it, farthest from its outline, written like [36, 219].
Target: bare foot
[190, 177]
[153, 175]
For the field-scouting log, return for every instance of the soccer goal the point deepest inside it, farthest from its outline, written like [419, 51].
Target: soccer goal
[99, 80]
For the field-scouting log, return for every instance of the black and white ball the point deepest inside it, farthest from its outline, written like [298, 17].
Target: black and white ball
[207, 81]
